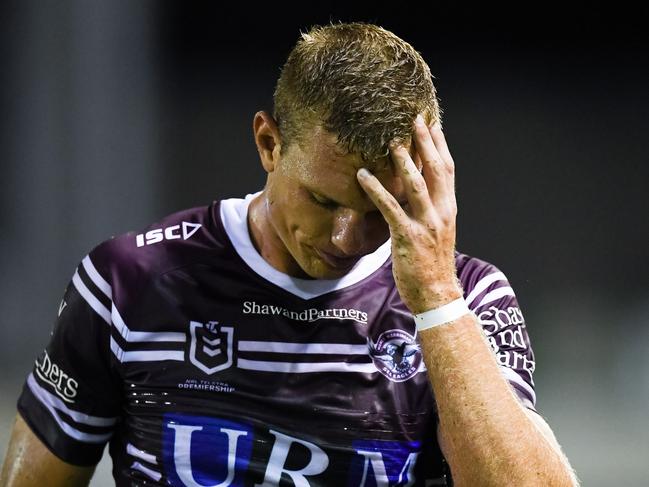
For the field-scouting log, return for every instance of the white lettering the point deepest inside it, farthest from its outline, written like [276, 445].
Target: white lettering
[410, 465]
[502, 319]
[375, 460]
[515, 360]
[169, 232]
[317, 464]
[182, 453]
[64, 386]
[154, 236]
[311, 314]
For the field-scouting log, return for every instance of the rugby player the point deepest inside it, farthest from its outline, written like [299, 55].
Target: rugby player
[322, 331]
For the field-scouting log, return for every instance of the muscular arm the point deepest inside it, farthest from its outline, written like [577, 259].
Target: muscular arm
[30, 463]
[486, 435]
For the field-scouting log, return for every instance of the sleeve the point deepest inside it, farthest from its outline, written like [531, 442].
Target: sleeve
[71, 399]
[493, 301]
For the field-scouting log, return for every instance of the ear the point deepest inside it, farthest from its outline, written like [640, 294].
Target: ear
[268, 140]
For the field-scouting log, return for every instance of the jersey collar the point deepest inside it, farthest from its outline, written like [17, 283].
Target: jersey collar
[234, 216]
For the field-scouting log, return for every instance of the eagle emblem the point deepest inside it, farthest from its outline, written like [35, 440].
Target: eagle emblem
[396, 354]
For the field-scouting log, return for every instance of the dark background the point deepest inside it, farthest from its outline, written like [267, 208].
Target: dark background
[116, 113]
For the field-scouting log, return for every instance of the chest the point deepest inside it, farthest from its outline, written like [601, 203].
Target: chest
[333, 386]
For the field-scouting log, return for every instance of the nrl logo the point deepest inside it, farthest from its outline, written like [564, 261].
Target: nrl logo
[396, 355]
[211, 346]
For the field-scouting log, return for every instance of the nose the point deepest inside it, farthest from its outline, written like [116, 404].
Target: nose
[347, 231]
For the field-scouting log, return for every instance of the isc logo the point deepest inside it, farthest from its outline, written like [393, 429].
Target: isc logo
[170, 233]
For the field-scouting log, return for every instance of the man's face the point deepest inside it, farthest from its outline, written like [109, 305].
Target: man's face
[319, 211]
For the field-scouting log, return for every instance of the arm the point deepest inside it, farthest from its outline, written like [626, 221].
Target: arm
[508, 444]
[70, 403]
[485, 434]
[29, 462]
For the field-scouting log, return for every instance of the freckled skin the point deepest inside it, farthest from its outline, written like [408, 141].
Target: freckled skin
[288, 226]
[507, 444]
[487, 437]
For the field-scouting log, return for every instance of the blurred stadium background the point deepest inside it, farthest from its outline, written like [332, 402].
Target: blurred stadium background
[116, 113]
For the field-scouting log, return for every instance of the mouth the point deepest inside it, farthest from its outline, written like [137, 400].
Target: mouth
[337, 262]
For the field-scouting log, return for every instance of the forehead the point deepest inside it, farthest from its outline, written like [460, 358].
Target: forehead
[323, 166]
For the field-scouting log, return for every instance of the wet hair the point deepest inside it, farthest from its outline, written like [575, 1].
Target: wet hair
[359, 82]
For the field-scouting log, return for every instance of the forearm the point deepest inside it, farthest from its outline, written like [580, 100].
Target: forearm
[488, 437]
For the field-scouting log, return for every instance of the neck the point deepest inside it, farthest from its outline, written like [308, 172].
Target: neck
[266, 240]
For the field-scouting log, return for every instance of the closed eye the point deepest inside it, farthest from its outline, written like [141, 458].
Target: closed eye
[322, 201]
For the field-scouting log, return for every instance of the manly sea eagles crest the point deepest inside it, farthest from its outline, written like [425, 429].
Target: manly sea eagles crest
[396, 355]
[211, 346]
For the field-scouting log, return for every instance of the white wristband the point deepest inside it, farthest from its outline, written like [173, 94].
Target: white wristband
[444, 314]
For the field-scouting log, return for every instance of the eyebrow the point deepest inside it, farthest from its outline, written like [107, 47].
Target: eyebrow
[337, 203]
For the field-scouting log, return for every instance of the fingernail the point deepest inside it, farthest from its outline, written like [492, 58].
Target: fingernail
[419, 120]
[437, 126]
[363, 173]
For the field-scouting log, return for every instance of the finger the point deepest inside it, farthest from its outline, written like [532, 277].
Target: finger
[382, 199]
[435, 170]
[440, 142]
[413, 181]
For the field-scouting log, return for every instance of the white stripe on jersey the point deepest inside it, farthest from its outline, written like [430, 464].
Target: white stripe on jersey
[99, 281]
[233, 214]
[305, 367]
[483, 284]
[145, 355]
[141, 454]
[512, 376]
[143, 336]
[54, 404]
[149, 472]
[113, 317]
[76, 415]
[90, 298]
[495, 295]
[306, 348]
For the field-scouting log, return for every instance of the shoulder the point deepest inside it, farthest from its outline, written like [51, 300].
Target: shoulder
[472, 269]
[482, 281]
[180, 239]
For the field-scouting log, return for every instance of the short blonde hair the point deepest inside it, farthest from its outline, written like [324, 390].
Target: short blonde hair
[360, 82]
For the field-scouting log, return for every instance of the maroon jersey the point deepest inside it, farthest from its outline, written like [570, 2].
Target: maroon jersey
[202, 365]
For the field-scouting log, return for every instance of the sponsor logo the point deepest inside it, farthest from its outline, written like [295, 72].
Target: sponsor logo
[307, 315]
[516, 360]
[184, 231]
[384, 463]
[64, 386]
[211, 346]
[505, 332]
[201, 451]
[494, 319]
[396, 355]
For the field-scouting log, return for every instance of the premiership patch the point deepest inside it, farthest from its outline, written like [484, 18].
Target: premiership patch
[211, 346]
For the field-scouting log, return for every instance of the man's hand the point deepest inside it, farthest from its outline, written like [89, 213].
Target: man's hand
[423, 239]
